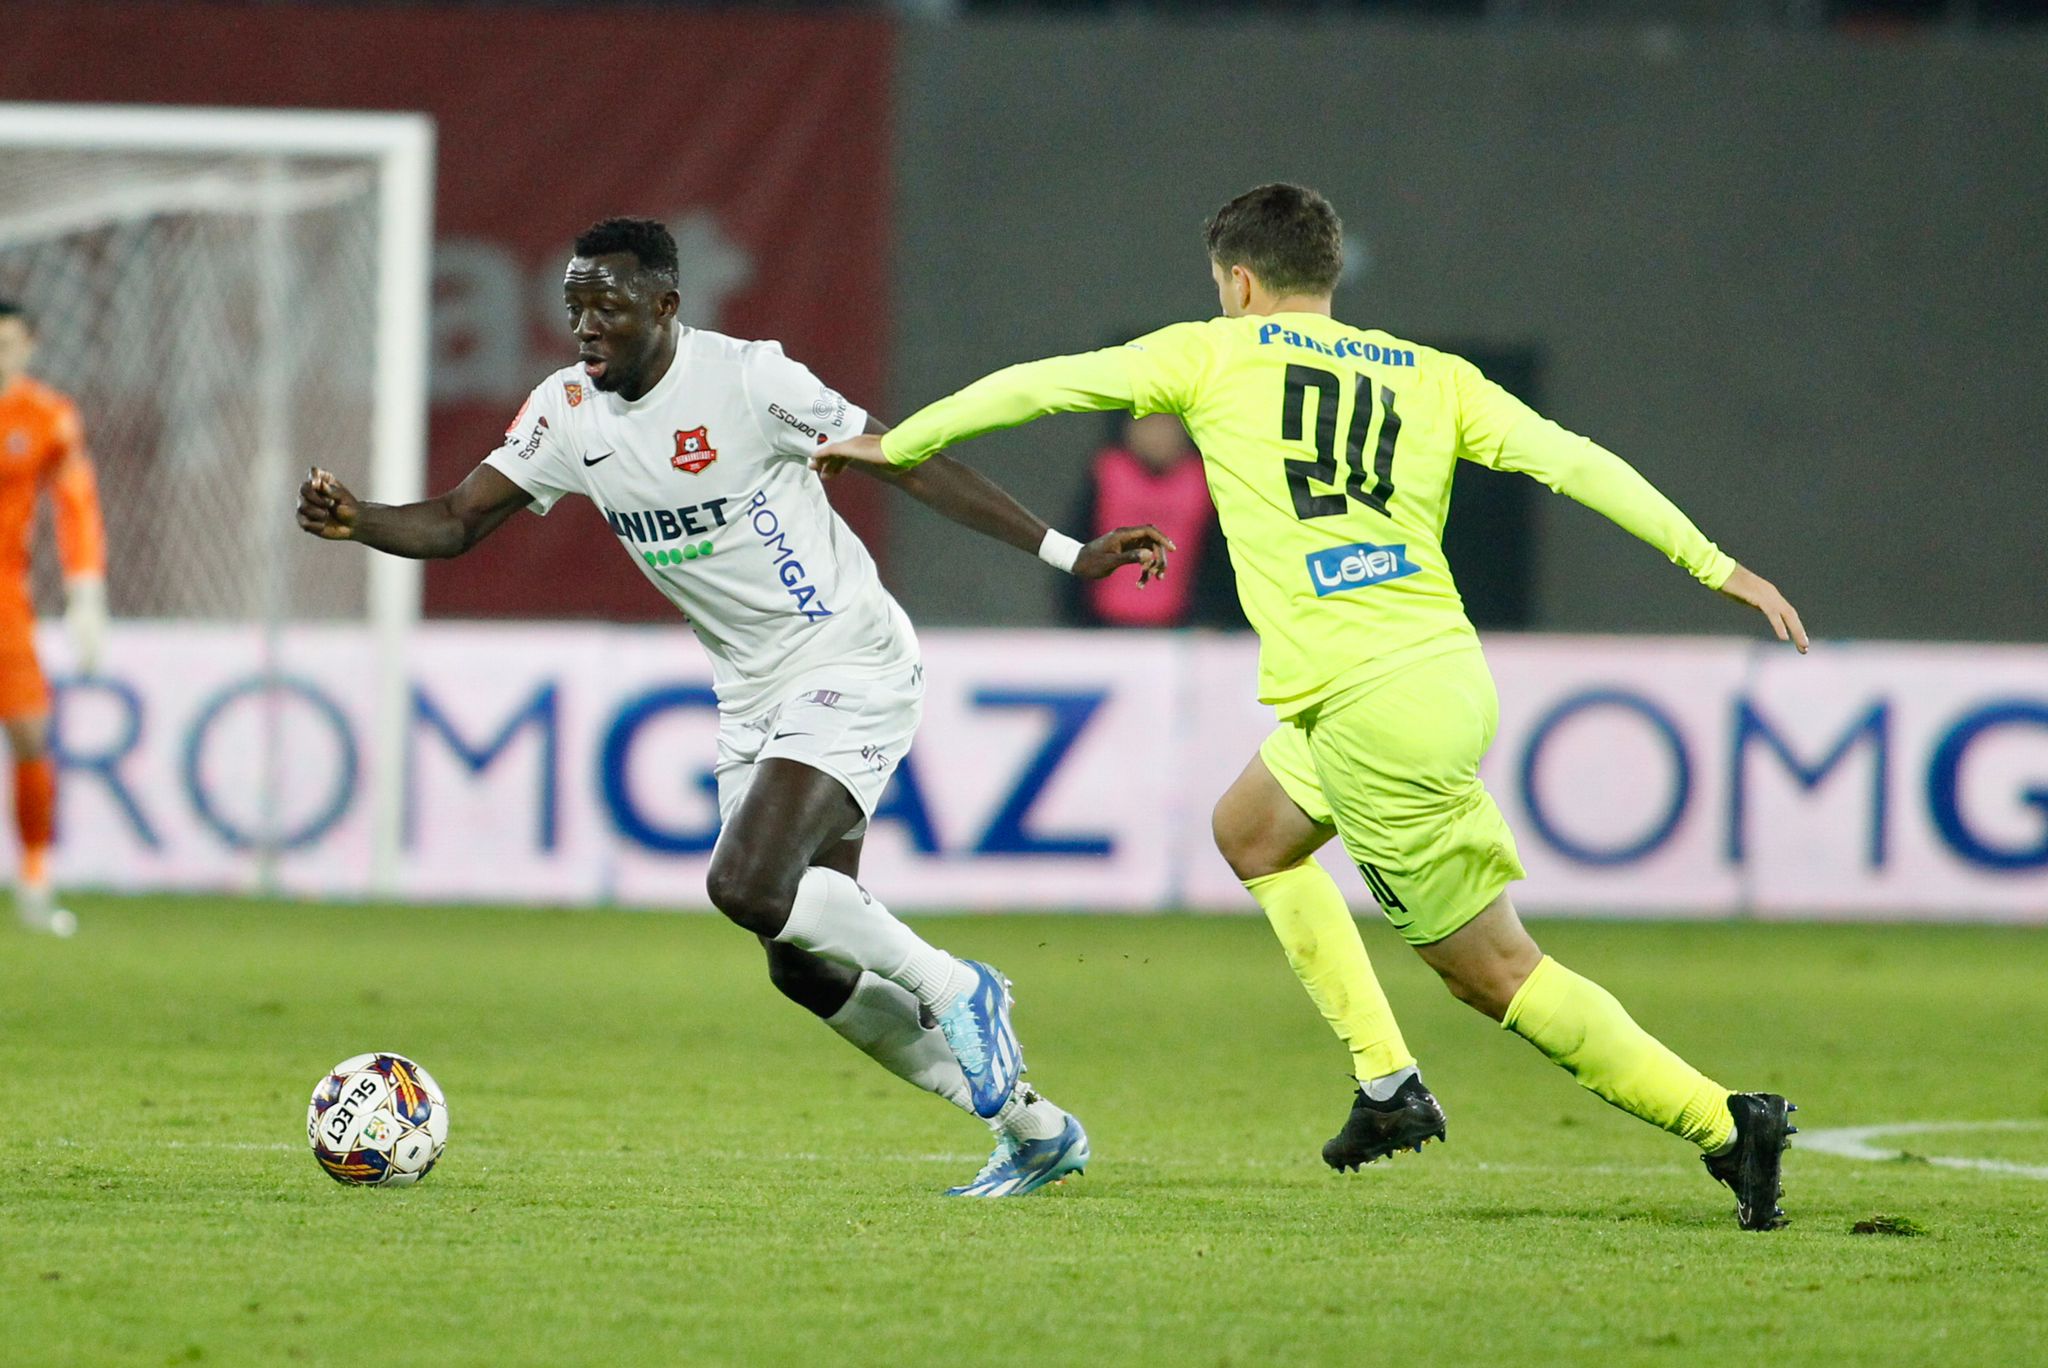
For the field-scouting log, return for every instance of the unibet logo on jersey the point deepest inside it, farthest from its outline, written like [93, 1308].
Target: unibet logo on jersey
[668, 524]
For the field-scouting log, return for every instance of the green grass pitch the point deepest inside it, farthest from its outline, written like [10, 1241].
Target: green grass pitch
[655, 1160]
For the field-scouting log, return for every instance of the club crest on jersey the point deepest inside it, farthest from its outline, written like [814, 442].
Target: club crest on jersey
[572, 390]
[693, 451]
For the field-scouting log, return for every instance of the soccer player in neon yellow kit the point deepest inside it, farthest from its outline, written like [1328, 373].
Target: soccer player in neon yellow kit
[1330, 451]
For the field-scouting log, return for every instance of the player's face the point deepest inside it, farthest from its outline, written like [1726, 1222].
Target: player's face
[17, 343]
[620, 318]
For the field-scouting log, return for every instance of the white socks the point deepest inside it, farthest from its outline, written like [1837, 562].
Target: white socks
[1027, 1116]
[881, 1021]
[834, 917]
[1383, 1088]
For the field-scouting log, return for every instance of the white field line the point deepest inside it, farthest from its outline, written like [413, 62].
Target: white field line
[809, 1157]
[1845, 1142]
[1854, 1142]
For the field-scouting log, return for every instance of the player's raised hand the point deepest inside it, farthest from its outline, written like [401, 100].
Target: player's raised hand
[1746, 586]
[865, 449]
[1144, 547]
[326, 508]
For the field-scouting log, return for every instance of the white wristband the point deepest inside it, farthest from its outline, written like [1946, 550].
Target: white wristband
[1059, 550]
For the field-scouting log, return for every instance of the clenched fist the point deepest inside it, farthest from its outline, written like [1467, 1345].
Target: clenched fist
[326, 508]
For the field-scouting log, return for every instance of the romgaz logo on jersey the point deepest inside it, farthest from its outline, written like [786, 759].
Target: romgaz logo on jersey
[1356, 566]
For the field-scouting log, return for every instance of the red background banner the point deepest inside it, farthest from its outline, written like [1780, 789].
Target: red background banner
[762, 140]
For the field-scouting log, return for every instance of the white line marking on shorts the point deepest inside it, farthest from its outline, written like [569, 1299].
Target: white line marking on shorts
[1854, 1142]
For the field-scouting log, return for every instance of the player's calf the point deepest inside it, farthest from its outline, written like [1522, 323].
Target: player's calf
[812, 982]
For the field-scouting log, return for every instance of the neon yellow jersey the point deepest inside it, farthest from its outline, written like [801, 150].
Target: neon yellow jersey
[1329, 451]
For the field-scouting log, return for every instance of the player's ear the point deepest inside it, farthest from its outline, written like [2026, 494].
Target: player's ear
[667, 304]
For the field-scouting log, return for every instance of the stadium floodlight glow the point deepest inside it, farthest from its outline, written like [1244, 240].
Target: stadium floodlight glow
[234, 295]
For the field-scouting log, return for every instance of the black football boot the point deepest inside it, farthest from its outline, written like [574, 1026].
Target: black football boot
[1763, 1132]
[1375, 1130]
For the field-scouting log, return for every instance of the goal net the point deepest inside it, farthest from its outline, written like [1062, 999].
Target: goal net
[230, 297]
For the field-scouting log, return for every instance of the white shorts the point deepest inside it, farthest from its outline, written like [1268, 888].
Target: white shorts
[855, 727]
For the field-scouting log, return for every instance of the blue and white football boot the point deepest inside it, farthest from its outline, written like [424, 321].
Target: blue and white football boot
[1021, 1166]
[977, 1026]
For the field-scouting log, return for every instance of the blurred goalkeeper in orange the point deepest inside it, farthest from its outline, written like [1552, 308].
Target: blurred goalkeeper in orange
[42, 445]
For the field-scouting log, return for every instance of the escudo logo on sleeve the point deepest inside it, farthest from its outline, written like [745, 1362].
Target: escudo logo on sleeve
[693, 451]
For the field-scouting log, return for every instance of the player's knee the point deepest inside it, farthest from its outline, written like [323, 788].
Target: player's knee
[1477, 994]
[1486, 986]
[752, 893]
[1237, 842]
[28, 739]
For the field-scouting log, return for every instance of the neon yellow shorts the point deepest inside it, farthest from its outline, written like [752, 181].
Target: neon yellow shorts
[1393, 764]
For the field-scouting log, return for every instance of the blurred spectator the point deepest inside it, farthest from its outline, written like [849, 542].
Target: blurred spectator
[1151, 473]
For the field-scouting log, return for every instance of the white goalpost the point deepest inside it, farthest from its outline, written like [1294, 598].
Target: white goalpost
[233, 296]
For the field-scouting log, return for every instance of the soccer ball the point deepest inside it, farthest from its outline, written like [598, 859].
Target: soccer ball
[377, 1120]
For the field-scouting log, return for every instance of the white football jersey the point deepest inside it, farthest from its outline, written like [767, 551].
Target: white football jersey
[706, 482]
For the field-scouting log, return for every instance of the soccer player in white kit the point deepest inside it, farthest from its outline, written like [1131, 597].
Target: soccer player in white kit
[696, 448]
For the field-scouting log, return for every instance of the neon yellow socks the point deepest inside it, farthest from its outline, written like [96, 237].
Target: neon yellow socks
[1573, 1020]
[1580, 1026]
[1322, 944]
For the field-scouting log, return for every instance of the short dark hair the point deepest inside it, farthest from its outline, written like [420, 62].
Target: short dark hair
[651, 244]
[14, 308]
[1286, 235]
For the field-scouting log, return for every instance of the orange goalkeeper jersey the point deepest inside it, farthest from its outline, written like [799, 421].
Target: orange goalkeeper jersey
[42, 444]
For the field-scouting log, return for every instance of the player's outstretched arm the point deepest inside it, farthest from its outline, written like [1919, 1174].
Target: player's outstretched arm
[1498, 430]
[1746, 586]
[962, 495]
[1085, 382]
[432, 529]
[965, 496]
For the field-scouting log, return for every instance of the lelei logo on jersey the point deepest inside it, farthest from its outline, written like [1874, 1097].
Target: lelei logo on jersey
[1356, 566]
[572, 390]
[693, 451]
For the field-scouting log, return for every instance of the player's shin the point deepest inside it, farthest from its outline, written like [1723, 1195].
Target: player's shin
[35, 817]
[1308, 914]
[886, 1023]
[1581, 1027]
[835, 917]
[883, 1021]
